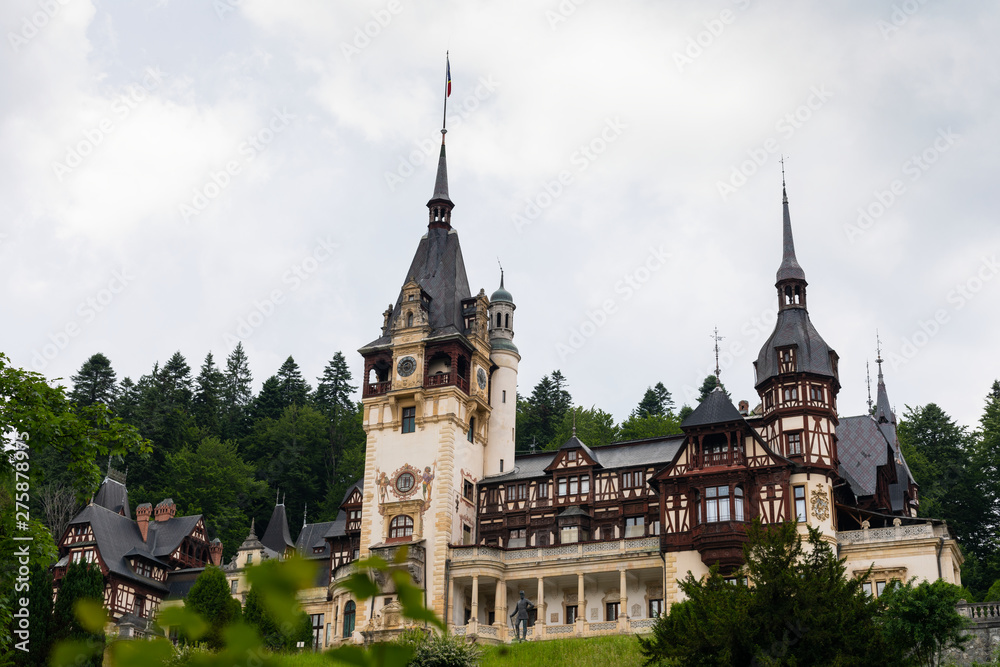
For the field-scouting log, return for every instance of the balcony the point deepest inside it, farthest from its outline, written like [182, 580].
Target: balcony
[447, 380]
[720, 542]
[377, 388]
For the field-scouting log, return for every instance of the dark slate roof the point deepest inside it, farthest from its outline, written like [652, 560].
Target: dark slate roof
[439, 268]
[113, 496]
[716, 408]
[627, 454]
[862, 449]
[575, 443]
[441, 180]
[314, 535]
[812, 354]
[276, 537]
[503, 344]
[180, 582]
[572, 511]
[118, 537]
[789, 268]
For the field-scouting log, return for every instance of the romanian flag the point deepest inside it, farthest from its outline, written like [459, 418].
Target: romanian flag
[448, 76]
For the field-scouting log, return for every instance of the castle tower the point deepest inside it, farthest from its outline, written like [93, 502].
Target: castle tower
[798, 383]
[426, 399]
[503, 384]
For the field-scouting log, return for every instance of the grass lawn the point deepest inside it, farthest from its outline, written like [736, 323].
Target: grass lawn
[616, 650]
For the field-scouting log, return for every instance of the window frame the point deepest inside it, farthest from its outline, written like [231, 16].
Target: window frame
[409, 419]
[401, 527]
[801, 513]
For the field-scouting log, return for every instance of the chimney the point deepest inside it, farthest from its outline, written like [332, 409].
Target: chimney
[744, 408]
[166, 510]
[215, 551]
[142, 513]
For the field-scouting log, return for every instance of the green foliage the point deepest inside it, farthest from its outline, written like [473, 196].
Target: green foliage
[215, 481]
[276, 636]
[542, 413]
[955, 471]
[40, 614]
[95, 383]
[656, 402]
[210, 599]
[79, 436]
[594, 427]
[708, 386]
[801, 609]
[430, 650]
[79, 627]
[207, 404]
[992, 595]
[922, 620]
[651, 426]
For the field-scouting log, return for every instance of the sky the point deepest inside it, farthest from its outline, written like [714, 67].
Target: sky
[186, 175]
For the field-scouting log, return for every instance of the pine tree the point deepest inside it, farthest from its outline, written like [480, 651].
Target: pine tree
[237, 394]
[207, 405]
[95, 383]
[542, 413]
[268, 404]
[333, 398]
[40, 615]
[126, 404]
[708, 386]
[656, 401]
[294, 389]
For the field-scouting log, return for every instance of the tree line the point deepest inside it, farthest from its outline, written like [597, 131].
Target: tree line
[217, 448]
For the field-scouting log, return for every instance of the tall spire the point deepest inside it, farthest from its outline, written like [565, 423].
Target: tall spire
[440, 204]
[789, 269]
[883, 411]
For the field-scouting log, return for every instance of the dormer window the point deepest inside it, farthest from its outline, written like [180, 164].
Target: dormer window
[571, 455]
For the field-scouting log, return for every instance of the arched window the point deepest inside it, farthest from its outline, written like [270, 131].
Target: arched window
[349, 611]
[409, 320]
[472, 429]
[498, 319]
[401, 527]
[506, 321]
[738, 508]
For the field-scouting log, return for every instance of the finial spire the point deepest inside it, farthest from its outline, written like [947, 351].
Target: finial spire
[718, 371]
[878, 358]
[305, 508]
[440, 204]
[501, 272]
[574, 423]
[868, 375]
[253, 533]
[789, 268]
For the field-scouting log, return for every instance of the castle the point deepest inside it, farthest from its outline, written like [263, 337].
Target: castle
[596, 537]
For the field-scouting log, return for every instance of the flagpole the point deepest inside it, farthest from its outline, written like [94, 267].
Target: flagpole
[444, 117]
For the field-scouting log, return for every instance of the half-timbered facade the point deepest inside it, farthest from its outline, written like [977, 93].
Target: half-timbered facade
[137, 557]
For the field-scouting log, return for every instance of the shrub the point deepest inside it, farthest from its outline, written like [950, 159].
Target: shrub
[434, 650]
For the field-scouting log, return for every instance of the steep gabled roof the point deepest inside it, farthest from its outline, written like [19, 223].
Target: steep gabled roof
[862, 449]
[113, 495]
[276, 537]
[716, 408]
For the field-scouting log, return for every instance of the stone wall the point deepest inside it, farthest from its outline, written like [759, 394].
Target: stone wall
[984, 631]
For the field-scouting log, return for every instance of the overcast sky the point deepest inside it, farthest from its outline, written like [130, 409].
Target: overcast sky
[180, 175]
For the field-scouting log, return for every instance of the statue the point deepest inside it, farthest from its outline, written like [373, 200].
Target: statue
[521, 609]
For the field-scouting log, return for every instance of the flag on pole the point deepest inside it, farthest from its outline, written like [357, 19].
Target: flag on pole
[448, 76]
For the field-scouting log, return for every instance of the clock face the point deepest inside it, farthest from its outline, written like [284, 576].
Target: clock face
[481, 378]
[406, 366]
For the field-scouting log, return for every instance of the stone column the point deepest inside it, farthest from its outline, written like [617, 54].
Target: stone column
[449, 609]
[581, 606]
[623, 601]
[499, 616]
[474, 620]
[540, 606]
